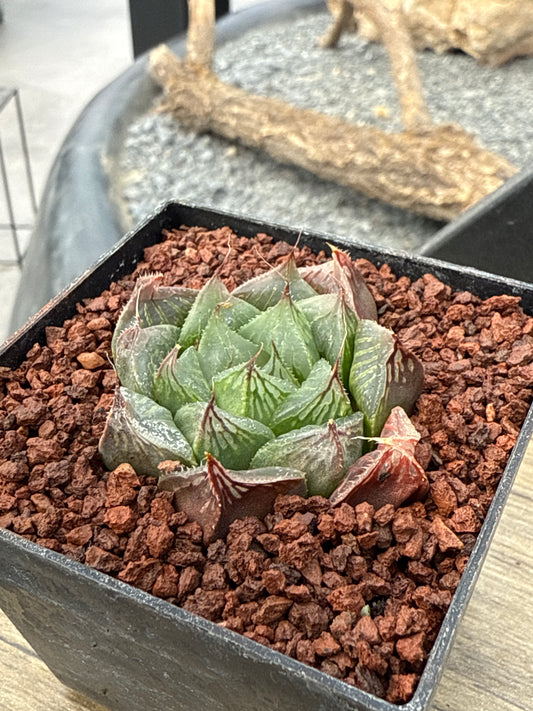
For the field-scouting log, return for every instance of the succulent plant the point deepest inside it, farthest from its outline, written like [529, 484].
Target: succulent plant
[276, 387]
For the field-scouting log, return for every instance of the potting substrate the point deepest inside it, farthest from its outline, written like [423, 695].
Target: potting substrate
[355, 592]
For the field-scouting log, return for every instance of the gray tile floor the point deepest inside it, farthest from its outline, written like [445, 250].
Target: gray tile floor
[58, 54]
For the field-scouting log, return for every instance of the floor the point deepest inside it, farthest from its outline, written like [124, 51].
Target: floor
[58, 54]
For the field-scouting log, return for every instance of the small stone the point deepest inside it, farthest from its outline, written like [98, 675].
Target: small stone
[91, 361]
[446, 538]
[121, 519]
[347, 597]
[411, 649]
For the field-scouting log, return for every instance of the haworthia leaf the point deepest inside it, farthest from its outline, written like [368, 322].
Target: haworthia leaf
[388, 475]
[323, 452]
[230, 438]
[212, 293]
[180, 379]
[320, 398]
[152, 304]
[142, 433]
[249, 391]
[220, 347]
[236, 312]
[140, 352]
[383, 375]
[215, 496]
[266, 290]
[341, 274]
[277, 368]
[285, 326]
[333, 325]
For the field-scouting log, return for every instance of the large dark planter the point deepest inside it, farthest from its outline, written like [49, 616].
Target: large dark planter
[132, 651]
[494, 235]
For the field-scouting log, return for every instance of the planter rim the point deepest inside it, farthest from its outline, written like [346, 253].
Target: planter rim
[120, 261]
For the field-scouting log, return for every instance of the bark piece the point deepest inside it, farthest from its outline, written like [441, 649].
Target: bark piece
[437, 172]
[492, 31]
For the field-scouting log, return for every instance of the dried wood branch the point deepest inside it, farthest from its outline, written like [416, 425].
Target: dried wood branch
[395, 36]
[201, 33]
[437, 172]
[341, 21]
[492, 31]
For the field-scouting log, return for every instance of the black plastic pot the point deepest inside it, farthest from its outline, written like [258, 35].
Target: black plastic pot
[495, 235]
[132, 651]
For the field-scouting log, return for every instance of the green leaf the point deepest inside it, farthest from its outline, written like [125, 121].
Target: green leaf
[211, 294]
[142, 433]
[286, 328]
[323, 452]
[215, 496]
[320, 398]
[152, 304]
[220, 347]
[140, 352]
[230, 438]
[249, 391]
[383, 375]
[266, 290]
[334, 326]
[277, 368]
[179, 380]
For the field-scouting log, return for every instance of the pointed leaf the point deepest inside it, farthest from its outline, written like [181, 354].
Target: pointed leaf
[320, 398]
[323, 452]
[214, 496]
[285, 326]
[266, 290]
[388, 475]
[211, 294]
[334, 326]
[152, 304]
[180, 379]
[140, 352]
[220, 347]
[277, 368]
[230, 438]
[142, 433]
[248, 391]
[383, 374]
[340, 273]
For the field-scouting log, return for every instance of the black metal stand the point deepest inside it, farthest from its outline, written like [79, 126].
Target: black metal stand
[155, 21]
[6, 96]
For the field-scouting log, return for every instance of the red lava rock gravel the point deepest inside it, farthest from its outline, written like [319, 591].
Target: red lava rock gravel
[355, 592]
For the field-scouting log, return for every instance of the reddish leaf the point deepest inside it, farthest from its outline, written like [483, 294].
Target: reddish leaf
[215, 496]
[388, 475]
[341, 274]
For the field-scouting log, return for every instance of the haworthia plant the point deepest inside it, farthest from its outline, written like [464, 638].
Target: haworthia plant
[273, 388]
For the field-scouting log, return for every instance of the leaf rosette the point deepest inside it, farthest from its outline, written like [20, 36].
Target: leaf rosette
[233, 398]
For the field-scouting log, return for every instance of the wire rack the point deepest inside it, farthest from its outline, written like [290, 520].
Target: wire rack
[8, 96]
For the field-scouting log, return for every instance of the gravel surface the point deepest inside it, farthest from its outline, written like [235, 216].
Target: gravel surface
[161, 160]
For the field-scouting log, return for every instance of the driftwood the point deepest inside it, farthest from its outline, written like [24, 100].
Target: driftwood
[436, 171]
[201, 33]
[492, 31]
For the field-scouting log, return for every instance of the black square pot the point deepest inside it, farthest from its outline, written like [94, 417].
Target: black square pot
[131, 651]
[493, 235]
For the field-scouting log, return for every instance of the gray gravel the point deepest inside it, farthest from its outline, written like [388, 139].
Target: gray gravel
[161, 160]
